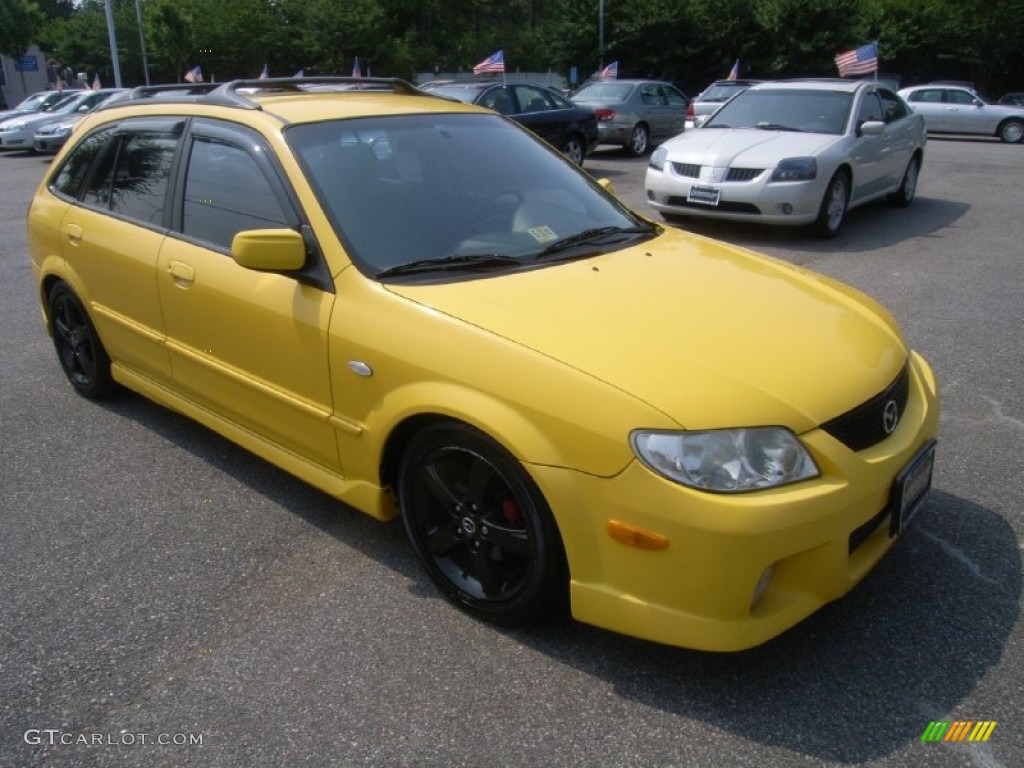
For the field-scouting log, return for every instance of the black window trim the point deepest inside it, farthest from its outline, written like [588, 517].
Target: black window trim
[315, 272]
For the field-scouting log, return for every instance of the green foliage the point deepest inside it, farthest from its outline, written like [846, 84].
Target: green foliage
[689, 41]
[20, 22]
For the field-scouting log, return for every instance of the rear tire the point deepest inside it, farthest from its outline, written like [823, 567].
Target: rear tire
[904, 196]
[1012, 131]
[574, 149]
[79, 349]
[639, 140]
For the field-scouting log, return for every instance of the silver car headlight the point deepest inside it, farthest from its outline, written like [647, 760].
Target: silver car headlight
[726, 460]
[796, 169]
[13, 126]
[658, 158]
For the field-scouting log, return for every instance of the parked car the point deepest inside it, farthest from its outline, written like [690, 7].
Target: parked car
[792, 152]
[566, 126]
[416, 306]
[712, 97]
[40, 101]
[1015, 99]
[19, 132]
[53, 134]
[959, 109]
[635, 114]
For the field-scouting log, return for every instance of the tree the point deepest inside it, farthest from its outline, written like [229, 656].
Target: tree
[20, 22]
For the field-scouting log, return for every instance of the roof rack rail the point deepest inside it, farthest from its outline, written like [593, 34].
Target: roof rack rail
[230, 94]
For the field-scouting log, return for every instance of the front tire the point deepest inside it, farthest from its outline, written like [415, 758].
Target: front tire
[904, 196]
[639, 139]
[1012, 131]
[480, 526]
[832, 213]
[79, 349]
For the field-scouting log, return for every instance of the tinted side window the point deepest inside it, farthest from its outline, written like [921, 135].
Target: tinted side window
[226, 193]
[532, 99]
[959, 97]
[75, 167]
[892, 105]
[870, 109]
[932, 96]
[140, 176]
[675, 98]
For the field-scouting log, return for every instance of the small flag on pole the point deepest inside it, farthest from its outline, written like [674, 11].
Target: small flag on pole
[611, 72]
[300, 73]
[734, 73]
[859, 61]
[96, 82]
[356, 72]
[265, 73]
[493, 63]
[194, 75]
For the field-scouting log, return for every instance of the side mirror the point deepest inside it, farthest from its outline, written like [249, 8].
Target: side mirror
[979, 103]
[269, 250]
[872, 128]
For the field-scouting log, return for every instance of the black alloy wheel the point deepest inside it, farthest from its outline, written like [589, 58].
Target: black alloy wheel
[81, 354]
[480, 526]
[574, 149]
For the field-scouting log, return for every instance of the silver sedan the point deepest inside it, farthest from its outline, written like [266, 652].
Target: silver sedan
[950, 108]
[792, 152]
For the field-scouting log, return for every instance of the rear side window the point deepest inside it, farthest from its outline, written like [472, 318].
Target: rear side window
[132, 180]
[226, 193]
[77, 164]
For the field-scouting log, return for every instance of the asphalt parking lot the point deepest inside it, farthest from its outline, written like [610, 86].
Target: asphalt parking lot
[170, 600]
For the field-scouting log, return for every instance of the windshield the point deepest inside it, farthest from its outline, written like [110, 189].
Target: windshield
[456, 193]
[812, 111]
[718, 93]
[604, 92]
[38, 101]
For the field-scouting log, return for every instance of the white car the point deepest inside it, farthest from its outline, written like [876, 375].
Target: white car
[949, 108]
[793, 152]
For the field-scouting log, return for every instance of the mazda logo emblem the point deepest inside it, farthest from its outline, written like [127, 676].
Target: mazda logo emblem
[890, 417]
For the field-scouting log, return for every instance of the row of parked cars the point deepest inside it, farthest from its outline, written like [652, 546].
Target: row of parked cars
[44, 121]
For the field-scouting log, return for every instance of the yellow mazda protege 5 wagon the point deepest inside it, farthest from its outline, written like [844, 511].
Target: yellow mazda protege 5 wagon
[423, 310]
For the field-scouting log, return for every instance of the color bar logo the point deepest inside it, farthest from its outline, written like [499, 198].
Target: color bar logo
[959, 730]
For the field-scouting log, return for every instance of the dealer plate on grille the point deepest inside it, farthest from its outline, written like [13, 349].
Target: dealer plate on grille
[703, 195]
[910, 488]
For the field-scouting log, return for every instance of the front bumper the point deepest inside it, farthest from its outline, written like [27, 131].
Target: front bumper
[821, 537]
[49, 143]
[15, 140]
[758, 200]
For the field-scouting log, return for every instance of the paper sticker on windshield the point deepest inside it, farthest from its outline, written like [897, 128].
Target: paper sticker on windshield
[543, 234]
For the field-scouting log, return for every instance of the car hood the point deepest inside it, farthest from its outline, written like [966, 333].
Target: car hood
[34, 119]
[709, 334]
[745, 147]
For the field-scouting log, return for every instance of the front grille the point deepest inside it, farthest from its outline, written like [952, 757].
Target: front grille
[743, 174]
[864, 425]
[687, 169]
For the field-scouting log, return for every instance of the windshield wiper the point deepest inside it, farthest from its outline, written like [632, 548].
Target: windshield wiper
[590, 235]
[776, 127]
[455, 261]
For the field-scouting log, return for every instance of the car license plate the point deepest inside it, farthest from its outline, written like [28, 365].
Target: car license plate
[910, 488]
[703, 195]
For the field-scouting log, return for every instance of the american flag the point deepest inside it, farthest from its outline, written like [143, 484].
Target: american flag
[300, 73]
[734, 73]
[493, 63]
[356, 72]
[611, 71]
[194, 75]
[265, 73]
[859, 61]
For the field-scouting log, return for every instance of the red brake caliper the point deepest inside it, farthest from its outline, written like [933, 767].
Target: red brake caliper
[510, 512]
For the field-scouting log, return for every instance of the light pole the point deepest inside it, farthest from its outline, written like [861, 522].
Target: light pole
[113, 44]
[142, 40]
[600, 35]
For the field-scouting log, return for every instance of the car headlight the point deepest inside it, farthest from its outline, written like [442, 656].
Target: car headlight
[12, 126]
[796, 169]
[726, 460]
[63, 129]
[658, 158]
